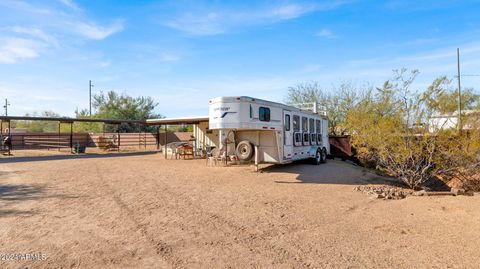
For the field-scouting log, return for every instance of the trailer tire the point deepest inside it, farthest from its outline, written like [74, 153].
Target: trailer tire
[323, 158]
[245, 151]
[318, 158]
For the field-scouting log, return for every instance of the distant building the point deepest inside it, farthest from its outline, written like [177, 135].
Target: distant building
[450, 120]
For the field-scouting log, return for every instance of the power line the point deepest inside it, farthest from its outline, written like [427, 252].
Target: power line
[470, 75]
[459, 123]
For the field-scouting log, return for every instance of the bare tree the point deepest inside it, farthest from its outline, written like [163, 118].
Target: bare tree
[337, 101]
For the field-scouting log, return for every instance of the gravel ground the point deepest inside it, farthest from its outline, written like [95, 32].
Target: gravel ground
[141, 211]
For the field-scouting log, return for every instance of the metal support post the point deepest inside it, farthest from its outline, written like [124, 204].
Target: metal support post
[166, 142]
[71, 136]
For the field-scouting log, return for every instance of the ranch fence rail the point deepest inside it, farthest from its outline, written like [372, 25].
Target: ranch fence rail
[99, 140]
[340, 146]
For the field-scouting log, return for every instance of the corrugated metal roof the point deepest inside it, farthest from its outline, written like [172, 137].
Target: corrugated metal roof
[185, 120]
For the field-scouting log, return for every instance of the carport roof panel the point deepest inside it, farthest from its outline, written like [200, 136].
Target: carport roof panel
[184, 120]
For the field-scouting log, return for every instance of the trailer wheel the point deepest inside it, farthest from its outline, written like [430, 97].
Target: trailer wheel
[323, 158]
[244, 151]
[318, 157]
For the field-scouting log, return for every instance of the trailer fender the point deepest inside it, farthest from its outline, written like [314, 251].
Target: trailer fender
[312, 151]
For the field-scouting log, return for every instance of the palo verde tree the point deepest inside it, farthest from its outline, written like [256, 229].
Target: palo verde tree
[390, 126]
[390, 130]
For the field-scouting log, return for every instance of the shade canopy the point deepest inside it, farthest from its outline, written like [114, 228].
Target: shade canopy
[184, 120]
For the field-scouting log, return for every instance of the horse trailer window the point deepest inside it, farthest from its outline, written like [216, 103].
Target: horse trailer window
[317, 123]
[311, 123]
[298, 138]
[304, 124]
[306, 138]
[287, 122]
[264, 113]
[296, 123]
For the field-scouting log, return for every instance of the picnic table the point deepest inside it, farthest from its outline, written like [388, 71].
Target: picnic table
[184, 151]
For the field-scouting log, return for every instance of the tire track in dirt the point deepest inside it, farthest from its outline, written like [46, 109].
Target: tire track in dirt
[227, 227]
[171, 200]
[160, 248]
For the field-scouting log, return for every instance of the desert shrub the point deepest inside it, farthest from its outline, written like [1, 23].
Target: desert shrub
[458, 158]
[389, 130]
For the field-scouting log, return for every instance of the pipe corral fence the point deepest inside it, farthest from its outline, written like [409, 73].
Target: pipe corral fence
[73, 141]
[202, 137]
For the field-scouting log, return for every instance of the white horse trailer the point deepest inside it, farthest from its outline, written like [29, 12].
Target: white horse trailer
[268, 132]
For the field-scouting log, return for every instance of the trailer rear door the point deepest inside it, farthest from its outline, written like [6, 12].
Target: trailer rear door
[287, 135]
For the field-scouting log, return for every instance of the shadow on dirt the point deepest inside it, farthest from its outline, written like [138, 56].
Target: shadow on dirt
[341, 172]
[332, 172]
[15, 213]
[13, 194]
[20, 192]
[70, 157]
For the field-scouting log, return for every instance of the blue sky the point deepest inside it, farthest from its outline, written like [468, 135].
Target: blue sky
[183, 53]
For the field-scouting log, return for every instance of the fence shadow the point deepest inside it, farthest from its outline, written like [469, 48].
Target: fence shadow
[73, 156]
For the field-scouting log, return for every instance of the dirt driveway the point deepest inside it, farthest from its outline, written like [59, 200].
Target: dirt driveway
[140, 211]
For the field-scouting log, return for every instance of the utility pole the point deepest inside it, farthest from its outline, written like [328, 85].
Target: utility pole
[90, 94]
[6, 106]
[459, 123]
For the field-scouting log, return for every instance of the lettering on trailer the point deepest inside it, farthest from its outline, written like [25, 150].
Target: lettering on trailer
[225, 110]
[225, 114]
[222, 108]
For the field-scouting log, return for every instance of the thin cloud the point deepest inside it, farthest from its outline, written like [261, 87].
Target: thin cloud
[21, 43]
[92, 31]
[33, 32]
[105, 64]
[196, 24]
[213, 22]
[431, 64]
[70, 3]
[169, 57]
[326, 33]
[48, 27]
[13, 50]
[287, 12]
[25, 7]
